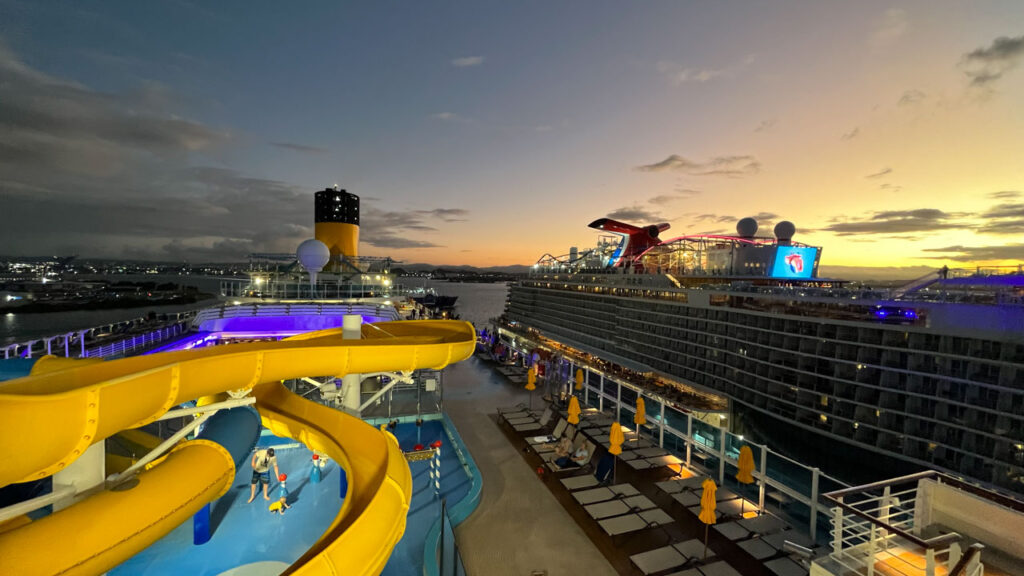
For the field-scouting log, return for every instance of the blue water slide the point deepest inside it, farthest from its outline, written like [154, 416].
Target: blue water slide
[237, 430]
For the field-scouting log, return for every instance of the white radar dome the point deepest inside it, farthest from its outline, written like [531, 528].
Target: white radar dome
[785, 230]
[746, 228]
[313, 255]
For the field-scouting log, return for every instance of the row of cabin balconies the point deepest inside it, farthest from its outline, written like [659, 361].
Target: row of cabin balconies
[880, 335]
[920, 361]
[897, 381]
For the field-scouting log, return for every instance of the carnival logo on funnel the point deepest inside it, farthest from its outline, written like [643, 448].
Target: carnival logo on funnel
[795, 262]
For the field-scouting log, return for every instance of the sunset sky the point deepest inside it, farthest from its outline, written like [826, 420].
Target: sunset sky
[489, 133]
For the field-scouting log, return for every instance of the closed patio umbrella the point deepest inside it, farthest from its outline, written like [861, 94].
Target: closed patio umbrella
[640, 418]
[574, 410]
[745, 473]
[579, 379]
[615, 440]
[707, 509]
[531, 382]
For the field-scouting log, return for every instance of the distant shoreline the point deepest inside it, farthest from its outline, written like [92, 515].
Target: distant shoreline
[127, 303]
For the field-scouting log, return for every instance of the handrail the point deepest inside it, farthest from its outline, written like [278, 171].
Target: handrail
[941, 477]
[973, 552]
[883, 525]
[880, 484]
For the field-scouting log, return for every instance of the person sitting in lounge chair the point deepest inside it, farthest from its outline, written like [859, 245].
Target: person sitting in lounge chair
[564, 447]
[581, 455]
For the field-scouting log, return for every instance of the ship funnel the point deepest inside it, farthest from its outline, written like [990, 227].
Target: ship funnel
[336, 222]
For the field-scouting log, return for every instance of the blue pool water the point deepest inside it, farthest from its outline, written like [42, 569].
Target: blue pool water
[246, 534]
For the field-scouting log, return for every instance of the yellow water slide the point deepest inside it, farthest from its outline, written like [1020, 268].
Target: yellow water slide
[51, 417]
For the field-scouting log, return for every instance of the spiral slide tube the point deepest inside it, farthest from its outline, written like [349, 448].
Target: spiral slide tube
[50, 417]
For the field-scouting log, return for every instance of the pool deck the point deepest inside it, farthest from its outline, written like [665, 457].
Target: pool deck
[519, 526]
[646, 522]
[250, 540]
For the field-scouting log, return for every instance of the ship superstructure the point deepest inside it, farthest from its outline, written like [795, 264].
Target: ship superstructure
[926, 375]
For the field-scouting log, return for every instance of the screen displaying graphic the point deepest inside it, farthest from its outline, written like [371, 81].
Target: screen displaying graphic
[794, 262]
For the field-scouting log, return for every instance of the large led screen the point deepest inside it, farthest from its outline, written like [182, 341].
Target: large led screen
[794, 262]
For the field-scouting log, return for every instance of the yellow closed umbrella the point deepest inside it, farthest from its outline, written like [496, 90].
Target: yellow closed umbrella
[640, 418]
[745, 473]
[615, 440]
[574, 410]
[531, 382]
[707, 509]
[579, 379]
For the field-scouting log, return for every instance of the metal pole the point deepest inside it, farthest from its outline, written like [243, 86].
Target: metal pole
[837, 536]
[163, 447]
[764, 476]
[689, 438]
[721, 456]
[815, 475]
[871, 551]
[661, 426]
[618, 401]
[600, 394]
[586, 388]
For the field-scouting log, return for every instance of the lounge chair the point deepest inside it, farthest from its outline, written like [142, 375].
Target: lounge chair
[546, 442]
[523, 426]
[585, 465]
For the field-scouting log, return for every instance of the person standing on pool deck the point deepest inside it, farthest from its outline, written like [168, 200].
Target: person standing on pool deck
[262, 460]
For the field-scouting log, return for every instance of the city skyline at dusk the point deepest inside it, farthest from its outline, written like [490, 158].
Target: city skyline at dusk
[889, 133]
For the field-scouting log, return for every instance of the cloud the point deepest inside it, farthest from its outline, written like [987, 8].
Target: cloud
[1005, 211]
[715, 218]
[451, 117]
[851, 134]
[883, 172]
[980, 253]
[114, 174]
[677, 74]
[385, 228]
[446, 214]
[467, 61]
[636, 214]
[890, 28]
[893, 222]
[911, 97]
[675, 196]
[733, 166]
[986, 65]
[765, 125]
[300, 147]
[1004, 194]
[1003, 219]
[390, 240]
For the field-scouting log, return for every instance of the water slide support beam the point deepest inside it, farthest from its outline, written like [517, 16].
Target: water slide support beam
[159, 450]
[15, 510]
[233, 403]
[351, 383]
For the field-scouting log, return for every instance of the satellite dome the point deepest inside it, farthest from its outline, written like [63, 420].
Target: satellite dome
[313, 255]
[784, 231]
[746, 228]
